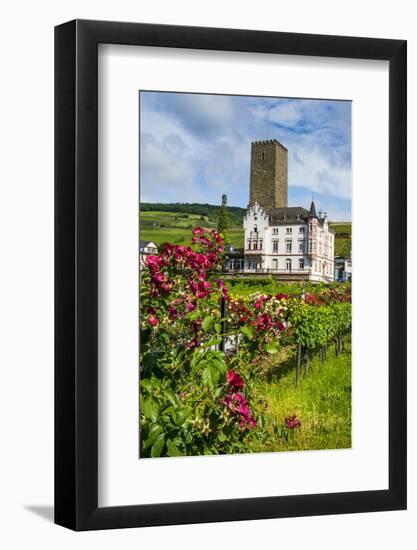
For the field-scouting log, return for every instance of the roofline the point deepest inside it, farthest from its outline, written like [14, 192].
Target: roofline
[269, 142]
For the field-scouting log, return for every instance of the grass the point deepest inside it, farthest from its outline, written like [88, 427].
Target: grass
[163, 235]
[322, 401]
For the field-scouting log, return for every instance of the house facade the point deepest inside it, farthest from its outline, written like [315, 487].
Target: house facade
[343, 269]
[289, 242]
[145, 249]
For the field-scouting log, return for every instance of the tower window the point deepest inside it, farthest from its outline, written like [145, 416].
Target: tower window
[263, 155]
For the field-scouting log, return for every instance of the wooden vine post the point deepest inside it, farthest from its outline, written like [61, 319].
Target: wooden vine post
[298, 363]
[222, 346]
[307, 360]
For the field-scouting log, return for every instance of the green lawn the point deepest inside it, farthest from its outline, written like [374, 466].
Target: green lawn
[322, 401]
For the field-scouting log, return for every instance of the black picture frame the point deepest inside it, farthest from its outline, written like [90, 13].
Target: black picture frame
[76, 272]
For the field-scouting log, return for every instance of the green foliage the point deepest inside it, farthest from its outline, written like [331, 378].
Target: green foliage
[223, 219]
[343, 239]
[211, 211]
[315, 326]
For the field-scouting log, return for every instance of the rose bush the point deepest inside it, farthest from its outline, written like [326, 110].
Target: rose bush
[195, 397]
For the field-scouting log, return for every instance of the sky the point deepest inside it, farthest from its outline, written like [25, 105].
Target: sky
[195, 147]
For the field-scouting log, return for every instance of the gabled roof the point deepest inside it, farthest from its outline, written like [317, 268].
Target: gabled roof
[287, 214]
[144, 244]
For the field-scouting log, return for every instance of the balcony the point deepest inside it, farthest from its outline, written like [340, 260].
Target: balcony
[252, 252]
[272, 271]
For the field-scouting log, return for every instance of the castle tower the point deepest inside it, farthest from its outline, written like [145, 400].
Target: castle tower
[269, 175]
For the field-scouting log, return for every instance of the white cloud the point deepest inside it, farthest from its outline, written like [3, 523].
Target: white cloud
[311, 169]
[198, 146]
[286, 114]
[164, 176]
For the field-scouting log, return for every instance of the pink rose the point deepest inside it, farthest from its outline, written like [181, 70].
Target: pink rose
[153, 321]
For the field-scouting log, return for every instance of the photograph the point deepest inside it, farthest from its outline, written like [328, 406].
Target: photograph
[245, 274]
[187, 191]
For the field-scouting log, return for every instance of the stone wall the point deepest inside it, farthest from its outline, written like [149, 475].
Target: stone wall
[269, 175]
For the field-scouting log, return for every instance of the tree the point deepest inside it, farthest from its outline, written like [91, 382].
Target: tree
[223, 220]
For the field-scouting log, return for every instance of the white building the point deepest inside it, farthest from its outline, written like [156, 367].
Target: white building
[292, 243]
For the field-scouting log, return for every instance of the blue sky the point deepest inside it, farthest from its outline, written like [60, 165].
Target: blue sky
[195, 147]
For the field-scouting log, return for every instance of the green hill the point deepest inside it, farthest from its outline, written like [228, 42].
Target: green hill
[174, 222]
[343, 238]
[211, 211]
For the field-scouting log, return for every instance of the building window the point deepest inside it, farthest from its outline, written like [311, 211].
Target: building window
[301, 247]
[301, 229]
[255, 245]
[289, 230]
[263, 155]
[260, 244]
[275, 246]
[288, 247]
[248, 245]
[255, 228]
[310, 226]
[288, 264]
[309, 246]
[301, 264]
[275, 231]
[275, 264]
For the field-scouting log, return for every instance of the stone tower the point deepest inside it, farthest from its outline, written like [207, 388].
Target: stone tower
[269, 175]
